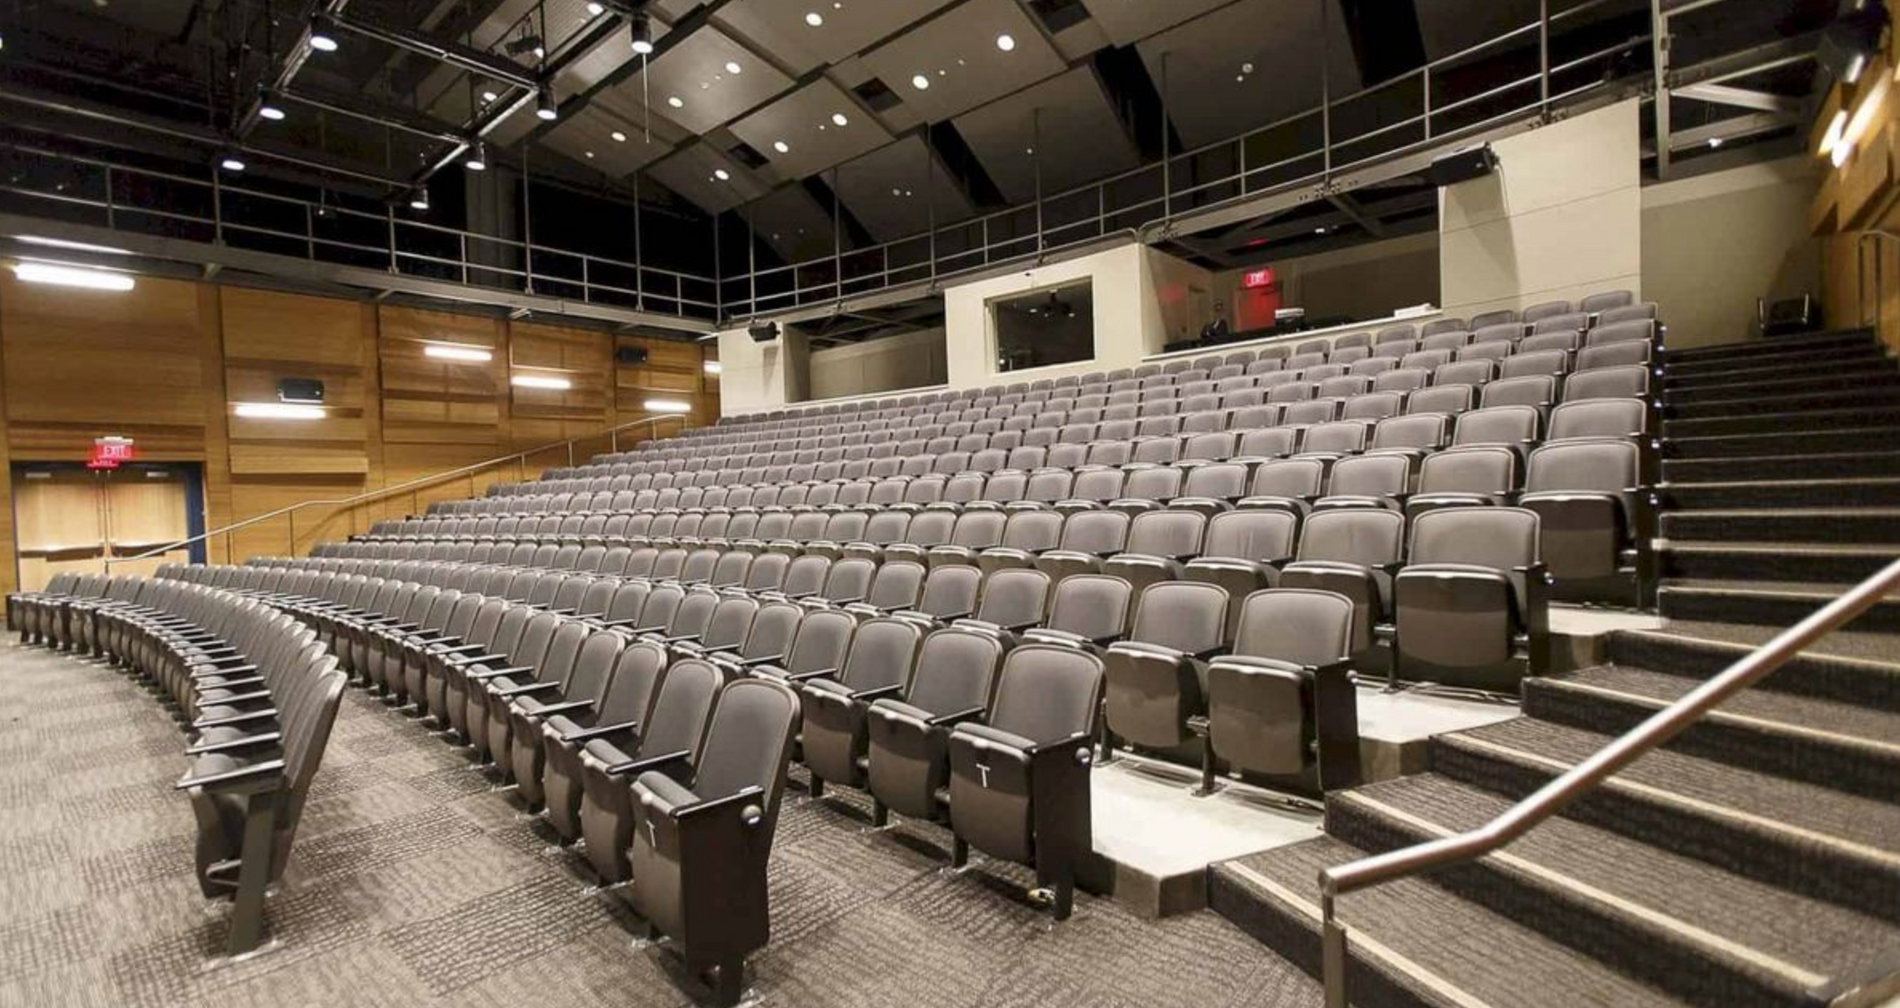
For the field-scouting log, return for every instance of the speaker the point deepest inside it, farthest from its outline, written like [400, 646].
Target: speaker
[300, 390]
[1462, 166]
[764, 332]
[630, 355]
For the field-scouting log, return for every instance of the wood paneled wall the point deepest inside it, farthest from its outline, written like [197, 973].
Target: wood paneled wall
[1859, 196]
[167, 363]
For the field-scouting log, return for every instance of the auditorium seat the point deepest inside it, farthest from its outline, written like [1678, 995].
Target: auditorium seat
[1469, 605]
[1156, 677]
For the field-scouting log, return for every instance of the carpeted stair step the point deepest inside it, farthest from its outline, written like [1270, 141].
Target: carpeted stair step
[1871, 397]
[1768, 603]
[1870, 361]
[1709, 936]
[1771, 561]
[1796, 442]
[1864, 492]
[1861, 669]
[1769, 466]
[1774, 388]
[1786, 420]
[1808, 343]
[1786, 525]
[1809, 840]
[1412, 944]
[1834, 745]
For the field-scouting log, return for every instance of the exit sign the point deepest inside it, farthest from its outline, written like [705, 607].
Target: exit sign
[110, 453]
[1257, 279]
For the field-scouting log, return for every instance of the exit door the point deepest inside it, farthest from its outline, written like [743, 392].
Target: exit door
[70, 518]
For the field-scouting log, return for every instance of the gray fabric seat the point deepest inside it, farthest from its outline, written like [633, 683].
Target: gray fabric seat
[1157, 677]
[1469, 607]
[1282, 703]
[1353, 552]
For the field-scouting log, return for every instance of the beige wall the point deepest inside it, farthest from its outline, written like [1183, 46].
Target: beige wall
[1714, 243]
[907, 360]
[1371, 280]
[1561, 218]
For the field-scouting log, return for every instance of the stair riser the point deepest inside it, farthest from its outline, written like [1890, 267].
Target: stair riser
[1782, 611]
[1821, 343]
[1770, 423]
[1713, 565]
[1749, 406]
[1824, 762]
[1846, 527]
[1795, 443]
[1773, 368]
[1295, 937]
[1689, 496]
[1650, 953]
[1819, 676]
[1729, 469]
[1795, 386]
[1810, 868]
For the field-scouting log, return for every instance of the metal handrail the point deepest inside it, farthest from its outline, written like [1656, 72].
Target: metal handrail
[410, 486]
[1579, 780]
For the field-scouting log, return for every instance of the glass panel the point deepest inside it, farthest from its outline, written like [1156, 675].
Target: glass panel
[1053, 326]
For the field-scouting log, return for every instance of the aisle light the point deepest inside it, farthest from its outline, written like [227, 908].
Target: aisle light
[278, 411]
[73, 276]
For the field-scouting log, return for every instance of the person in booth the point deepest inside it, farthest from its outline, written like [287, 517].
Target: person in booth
[1217, 330]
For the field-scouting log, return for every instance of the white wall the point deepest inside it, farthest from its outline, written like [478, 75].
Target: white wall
[1714, 243]
[760, 376]
[907, 360]
[1130, 321]
[1559, 219]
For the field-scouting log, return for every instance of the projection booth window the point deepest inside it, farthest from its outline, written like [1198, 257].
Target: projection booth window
[1055, 326]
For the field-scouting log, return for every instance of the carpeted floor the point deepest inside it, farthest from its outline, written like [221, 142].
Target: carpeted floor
[413, 884]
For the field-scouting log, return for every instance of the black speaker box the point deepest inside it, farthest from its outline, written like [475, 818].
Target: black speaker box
[299, 390]
[630, 355]
[1462, 166]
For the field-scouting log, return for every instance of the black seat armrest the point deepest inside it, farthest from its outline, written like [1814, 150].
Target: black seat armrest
[244, 742]
[253, 779]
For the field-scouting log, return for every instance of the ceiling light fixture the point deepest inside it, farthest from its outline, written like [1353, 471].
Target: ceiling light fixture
[541, 382]
[231, 163]
[1006, 42]
[733, 67]
[722, 175]
[419, 199]
[73, 276]
[320, 38]
[667, 405]
[596, 9]
[618, 136]
[544, 109]
[838, 119]
[815, 19]
[1715, 141]
[458, 352]
[277, 411]
[477, 159]
[642, 26]
[781, 146]
[489, 97]
[920, 82]
[676, 101]
[268, 109]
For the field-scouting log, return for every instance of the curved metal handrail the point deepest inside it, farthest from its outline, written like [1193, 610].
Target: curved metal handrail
[409, 486]
[1582, 778]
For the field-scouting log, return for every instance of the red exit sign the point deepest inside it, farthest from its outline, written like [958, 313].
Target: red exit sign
[110, 453]
[1257, 279]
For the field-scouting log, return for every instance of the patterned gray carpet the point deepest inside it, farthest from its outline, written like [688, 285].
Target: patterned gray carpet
[413, 884]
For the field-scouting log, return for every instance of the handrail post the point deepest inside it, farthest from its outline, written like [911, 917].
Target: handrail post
[1332, 953]
[1543, 57]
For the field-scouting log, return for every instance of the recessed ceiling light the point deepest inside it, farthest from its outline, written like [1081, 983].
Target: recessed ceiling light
[815, 19]
[676, 102]
[1319, 230]
[590, 155]
[1006, 42]
[722, 175]
[781, 146]
[271, 111]
[618, 136]
[322, 42]
[733, 67]
[232, 163]
[838, 119]
[920, 82]
[1246, 68]
[488, 97]
[1715, 141]
[596, 10]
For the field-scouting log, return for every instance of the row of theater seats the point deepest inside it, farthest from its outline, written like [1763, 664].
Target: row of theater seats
[256, 693]
[661, 737]
[1541, 381]
[1555, 318]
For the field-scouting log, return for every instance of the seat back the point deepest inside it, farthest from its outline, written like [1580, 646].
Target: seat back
[897, 585]
[1615, 418]
[1188, 616]
[747, 743]
[881, 654]
[1094, 606]
[1623, 382]
[824, 638]
[629, 693]
[1046, 693]
[675, 719]
[1366, 536]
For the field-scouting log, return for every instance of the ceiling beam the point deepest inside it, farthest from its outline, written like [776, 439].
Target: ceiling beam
[1350, 207]
[1744, 62]
[1724, 94]
[452, 53]
[286, 71]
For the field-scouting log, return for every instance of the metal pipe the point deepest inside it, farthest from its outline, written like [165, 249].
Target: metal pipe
[1581, 779]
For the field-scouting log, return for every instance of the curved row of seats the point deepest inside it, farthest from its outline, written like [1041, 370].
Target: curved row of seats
[255, 691]
[1601, 310]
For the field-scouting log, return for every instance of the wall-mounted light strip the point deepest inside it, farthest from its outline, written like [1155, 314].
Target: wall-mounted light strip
[541, 382]
[73, 276]
[1858, 124]
[458, 352]
[712, 367]
[61, 243]
[668, 406]
[278, 411]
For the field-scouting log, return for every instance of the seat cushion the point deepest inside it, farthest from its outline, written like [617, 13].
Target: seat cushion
[654, 787]
[996, 736]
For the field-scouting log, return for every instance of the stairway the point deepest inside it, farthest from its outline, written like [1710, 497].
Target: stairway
[1753, 861]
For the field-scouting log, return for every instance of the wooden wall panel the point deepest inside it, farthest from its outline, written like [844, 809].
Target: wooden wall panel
[584, 357]
[270, 336]
[430, 401]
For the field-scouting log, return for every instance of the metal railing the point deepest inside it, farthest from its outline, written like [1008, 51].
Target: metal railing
[216, 210]
[413, 488]
[1339, 135]
[1581, 779]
